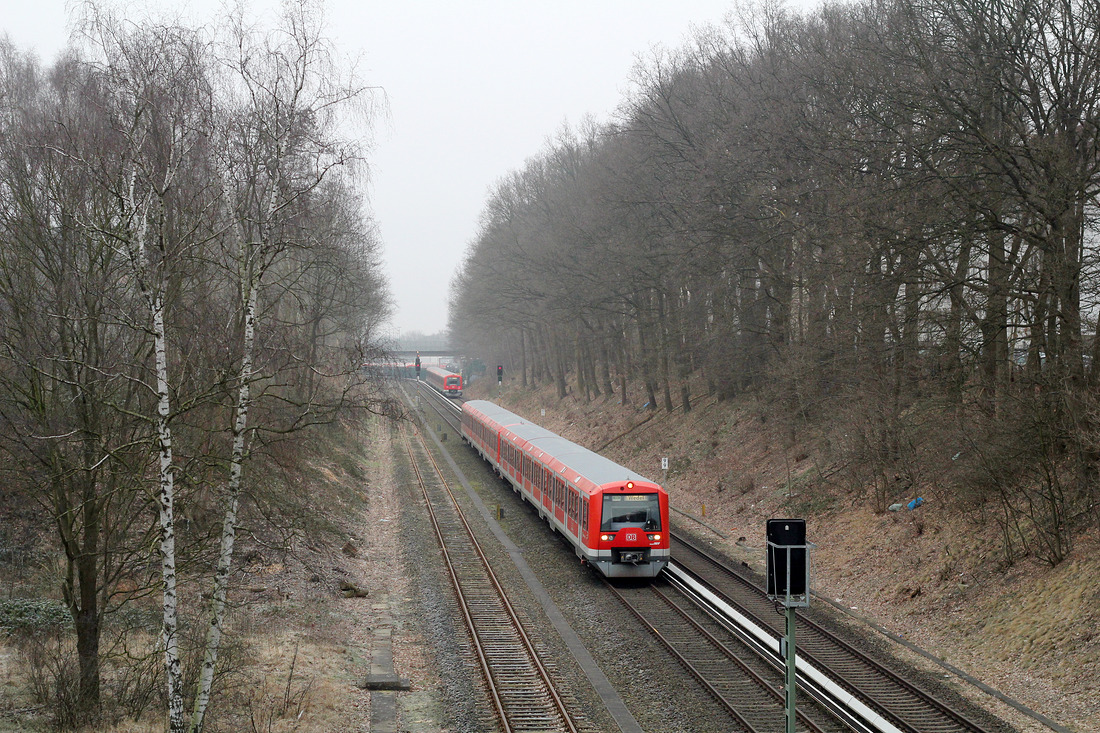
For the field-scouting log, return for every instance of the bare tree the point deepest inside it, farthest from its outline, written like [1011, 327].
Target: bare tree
[279, 147]
[150, 197]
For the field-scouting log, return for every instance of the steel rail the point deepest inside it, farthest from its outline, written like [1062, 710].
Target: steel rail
[722, 682]
[491, 645]
[451, 411]
[905, 705]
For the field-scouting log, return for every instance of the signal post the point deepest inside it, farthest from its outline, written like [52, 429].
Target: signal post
[788, 571]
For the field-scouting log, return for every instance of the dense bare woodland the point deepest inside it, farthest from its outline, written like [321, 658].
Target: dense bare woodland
[875, 225]
[879, 219]
[187, 286]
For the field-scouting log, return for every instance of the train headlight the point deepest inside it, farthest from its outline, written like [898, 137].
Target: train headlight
[607, 537]
[654, 537]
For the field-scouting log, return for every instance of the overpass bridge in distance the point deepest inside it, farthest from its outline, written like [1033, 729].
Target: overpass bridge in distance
[410, 354]
[428, 357]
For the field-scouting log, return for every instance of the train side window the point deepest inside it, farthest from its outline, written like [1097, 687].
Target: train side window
[584, 516]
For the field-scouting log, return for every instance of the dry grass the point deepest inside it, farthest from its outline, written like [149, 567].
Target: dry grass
[296, 649]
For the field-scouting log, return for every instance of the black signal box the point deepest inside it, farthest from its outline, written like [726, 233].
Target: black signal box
[786, 557]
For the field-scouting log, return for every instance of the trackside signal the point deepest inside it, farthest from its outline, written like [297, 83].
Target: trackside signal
[788, 570]
[786, 559]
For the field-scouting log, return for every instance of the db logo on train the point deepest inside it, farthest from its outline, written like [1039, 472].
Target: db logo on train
[631, 536]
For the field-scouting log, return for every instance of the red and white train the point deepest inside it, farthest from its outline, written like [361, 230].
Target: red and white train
[616, 520]
[449, 383]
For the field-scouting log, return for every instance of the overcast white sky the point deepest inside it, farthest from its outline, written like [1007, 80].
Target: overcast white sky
[474, 89]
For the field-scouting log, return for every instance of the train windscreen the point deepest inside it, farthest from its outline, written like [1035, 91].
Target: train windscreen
[630, 510]
[453, 381]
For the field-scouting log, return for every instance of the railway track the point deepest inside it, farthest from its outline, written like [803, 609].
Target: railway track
[521, 688]
[902, 705]
[748, 688]
[445, 409]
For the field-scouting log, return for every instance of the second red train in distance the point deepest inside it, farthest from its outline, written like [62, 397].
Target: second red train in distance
[616, 519]
[447, 382]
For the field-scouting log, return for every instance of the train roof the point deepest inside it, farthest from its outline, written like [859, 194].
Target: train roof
[594, 467]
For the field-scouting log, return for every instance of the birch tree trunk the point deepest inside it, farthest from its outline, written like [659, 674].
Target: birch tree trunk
[229, 521]
[166, 500]
[151, 287]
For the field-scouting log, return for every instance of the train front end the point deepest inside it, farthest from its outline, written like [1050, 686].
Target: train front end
[631, 537]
